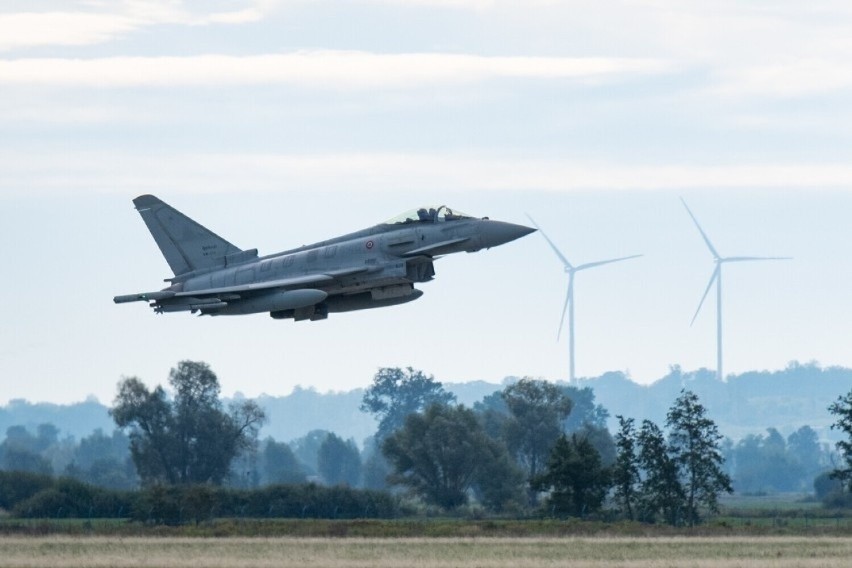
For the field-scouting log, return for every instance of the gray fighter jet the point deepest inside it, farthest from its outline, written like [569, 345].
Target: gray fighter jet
[371, 268]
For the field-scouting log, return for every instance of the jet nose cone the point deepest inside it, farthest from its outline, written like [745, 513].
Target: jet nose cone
[496, 233]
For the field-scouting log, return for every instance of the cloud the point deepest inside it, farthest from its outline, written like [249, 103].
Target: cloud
[85, 26]
[790, 79]
[61, 28]
[328, 69]
[390, 172]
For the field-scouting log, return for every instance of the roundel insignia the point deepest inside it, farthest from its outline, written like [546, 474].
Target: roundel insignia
[369, 244]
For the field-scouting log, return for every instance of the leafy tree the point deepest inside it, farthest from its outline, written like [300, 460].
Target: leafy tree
[695, 447]
[537, 409]
[375, 469]
[662, 494]
[438, 454]
[20, 459]
[803, 445]
[775, 442]
[339, 462]
[498, 483]
[576, 478]
[396, 393]
[279, 464]
[842, 410]
[104, 461]
[625, 471]
[307, 448]
[98, 446]
[600, 438]
[826, 486]
[764, 464]
[46, 435]
[493, 414]
[21, 451]
[189, 439]
[584, 411]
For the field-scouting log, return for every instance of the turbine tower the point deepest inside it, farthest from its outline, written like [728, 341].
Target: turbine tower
[717, 278]
[571, 270]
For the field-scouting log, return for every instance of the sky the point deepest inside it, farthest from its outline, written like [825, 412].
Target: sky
[278, 123]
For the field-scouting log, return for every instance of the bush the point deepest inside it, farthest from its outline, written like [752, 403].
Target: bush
[175, 505]
[825, 485]
[837, 500]
[16, 486]
[34, 496]
[69, 498]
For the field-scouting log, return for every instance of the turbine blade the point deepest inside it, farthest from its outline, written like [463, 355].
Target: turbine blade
[553, 246]
[565, 307]
[706, 291]
[602, 262]
[700, 230]
[751, 258]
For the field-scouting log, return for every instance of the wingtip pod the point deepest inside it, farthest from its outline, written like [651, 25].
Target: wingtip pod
[143, 297]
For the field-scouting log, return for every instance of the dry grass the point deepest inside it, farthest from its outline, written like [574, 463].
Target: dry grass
[652, 552]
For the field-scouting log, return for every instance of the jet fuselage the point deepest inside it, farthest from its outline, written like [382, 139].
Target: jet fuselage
[374, 267]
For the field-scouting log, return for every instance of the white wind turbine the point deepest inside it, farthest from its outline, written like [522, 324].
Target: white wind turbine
[569, 298]
[717, 278]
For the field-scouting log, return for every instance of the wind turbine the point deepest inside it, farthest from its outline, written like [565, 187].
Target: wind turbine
[717, 278]
[571, 270]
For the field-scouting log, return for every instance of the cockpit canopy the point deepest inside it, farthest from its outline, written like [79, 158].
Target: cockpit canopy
[428, 215]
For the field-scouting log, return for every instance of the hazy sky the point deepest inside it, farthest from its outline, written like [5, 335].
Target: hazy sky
[279, 123]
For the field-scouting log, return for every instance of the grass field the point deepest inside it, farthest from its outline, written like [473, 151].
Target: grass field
[650, 552]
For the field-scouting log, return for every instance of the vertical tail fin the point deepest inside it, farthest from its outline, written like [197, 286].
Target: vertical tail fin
[186, 244]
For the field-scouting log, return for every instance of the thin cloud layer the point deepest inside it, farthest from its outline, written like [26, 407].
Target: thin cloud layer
[87, 23]
[325, 69]
[383, 172]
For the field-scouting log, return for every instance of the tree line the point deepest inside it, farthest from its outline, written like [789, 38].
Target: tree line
[517, 449]
[531, 447]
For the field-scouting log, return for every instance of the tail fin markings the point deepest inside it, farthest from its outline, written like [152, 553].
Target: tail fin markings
[186, 245]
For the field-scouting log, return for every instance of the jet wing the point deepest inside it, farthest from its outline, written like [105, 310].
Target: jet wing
[257, 286]
[294, 282]
[435, 248]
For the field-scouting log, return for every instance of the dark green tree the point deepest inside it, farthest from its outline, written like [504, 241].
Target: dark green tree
[575, 477]
[19, 459]
[600, 438]
[279, 464]
[21, 451]
[803, 445]
[842, 411]
[339, 462]
[625, 471]
[98, 446]
[584, 410]
[438, 453]
[661, 494]
[695, 445]
[805, 450]
[493, 414]
[765, 464]
[189, 438]
[307, 448]
[536, 412]
[375, 469]
[396, 393]
[499, 483]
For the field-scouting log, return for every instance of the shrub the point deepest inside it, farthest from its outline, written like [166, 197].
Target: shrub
[16, 486]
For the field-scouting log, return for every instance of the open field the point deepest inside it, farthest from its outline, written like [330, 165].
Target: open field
[652, 552]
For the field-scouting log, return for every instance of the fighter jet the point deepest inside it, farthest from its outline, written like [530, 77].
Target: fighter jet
[371, 268]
